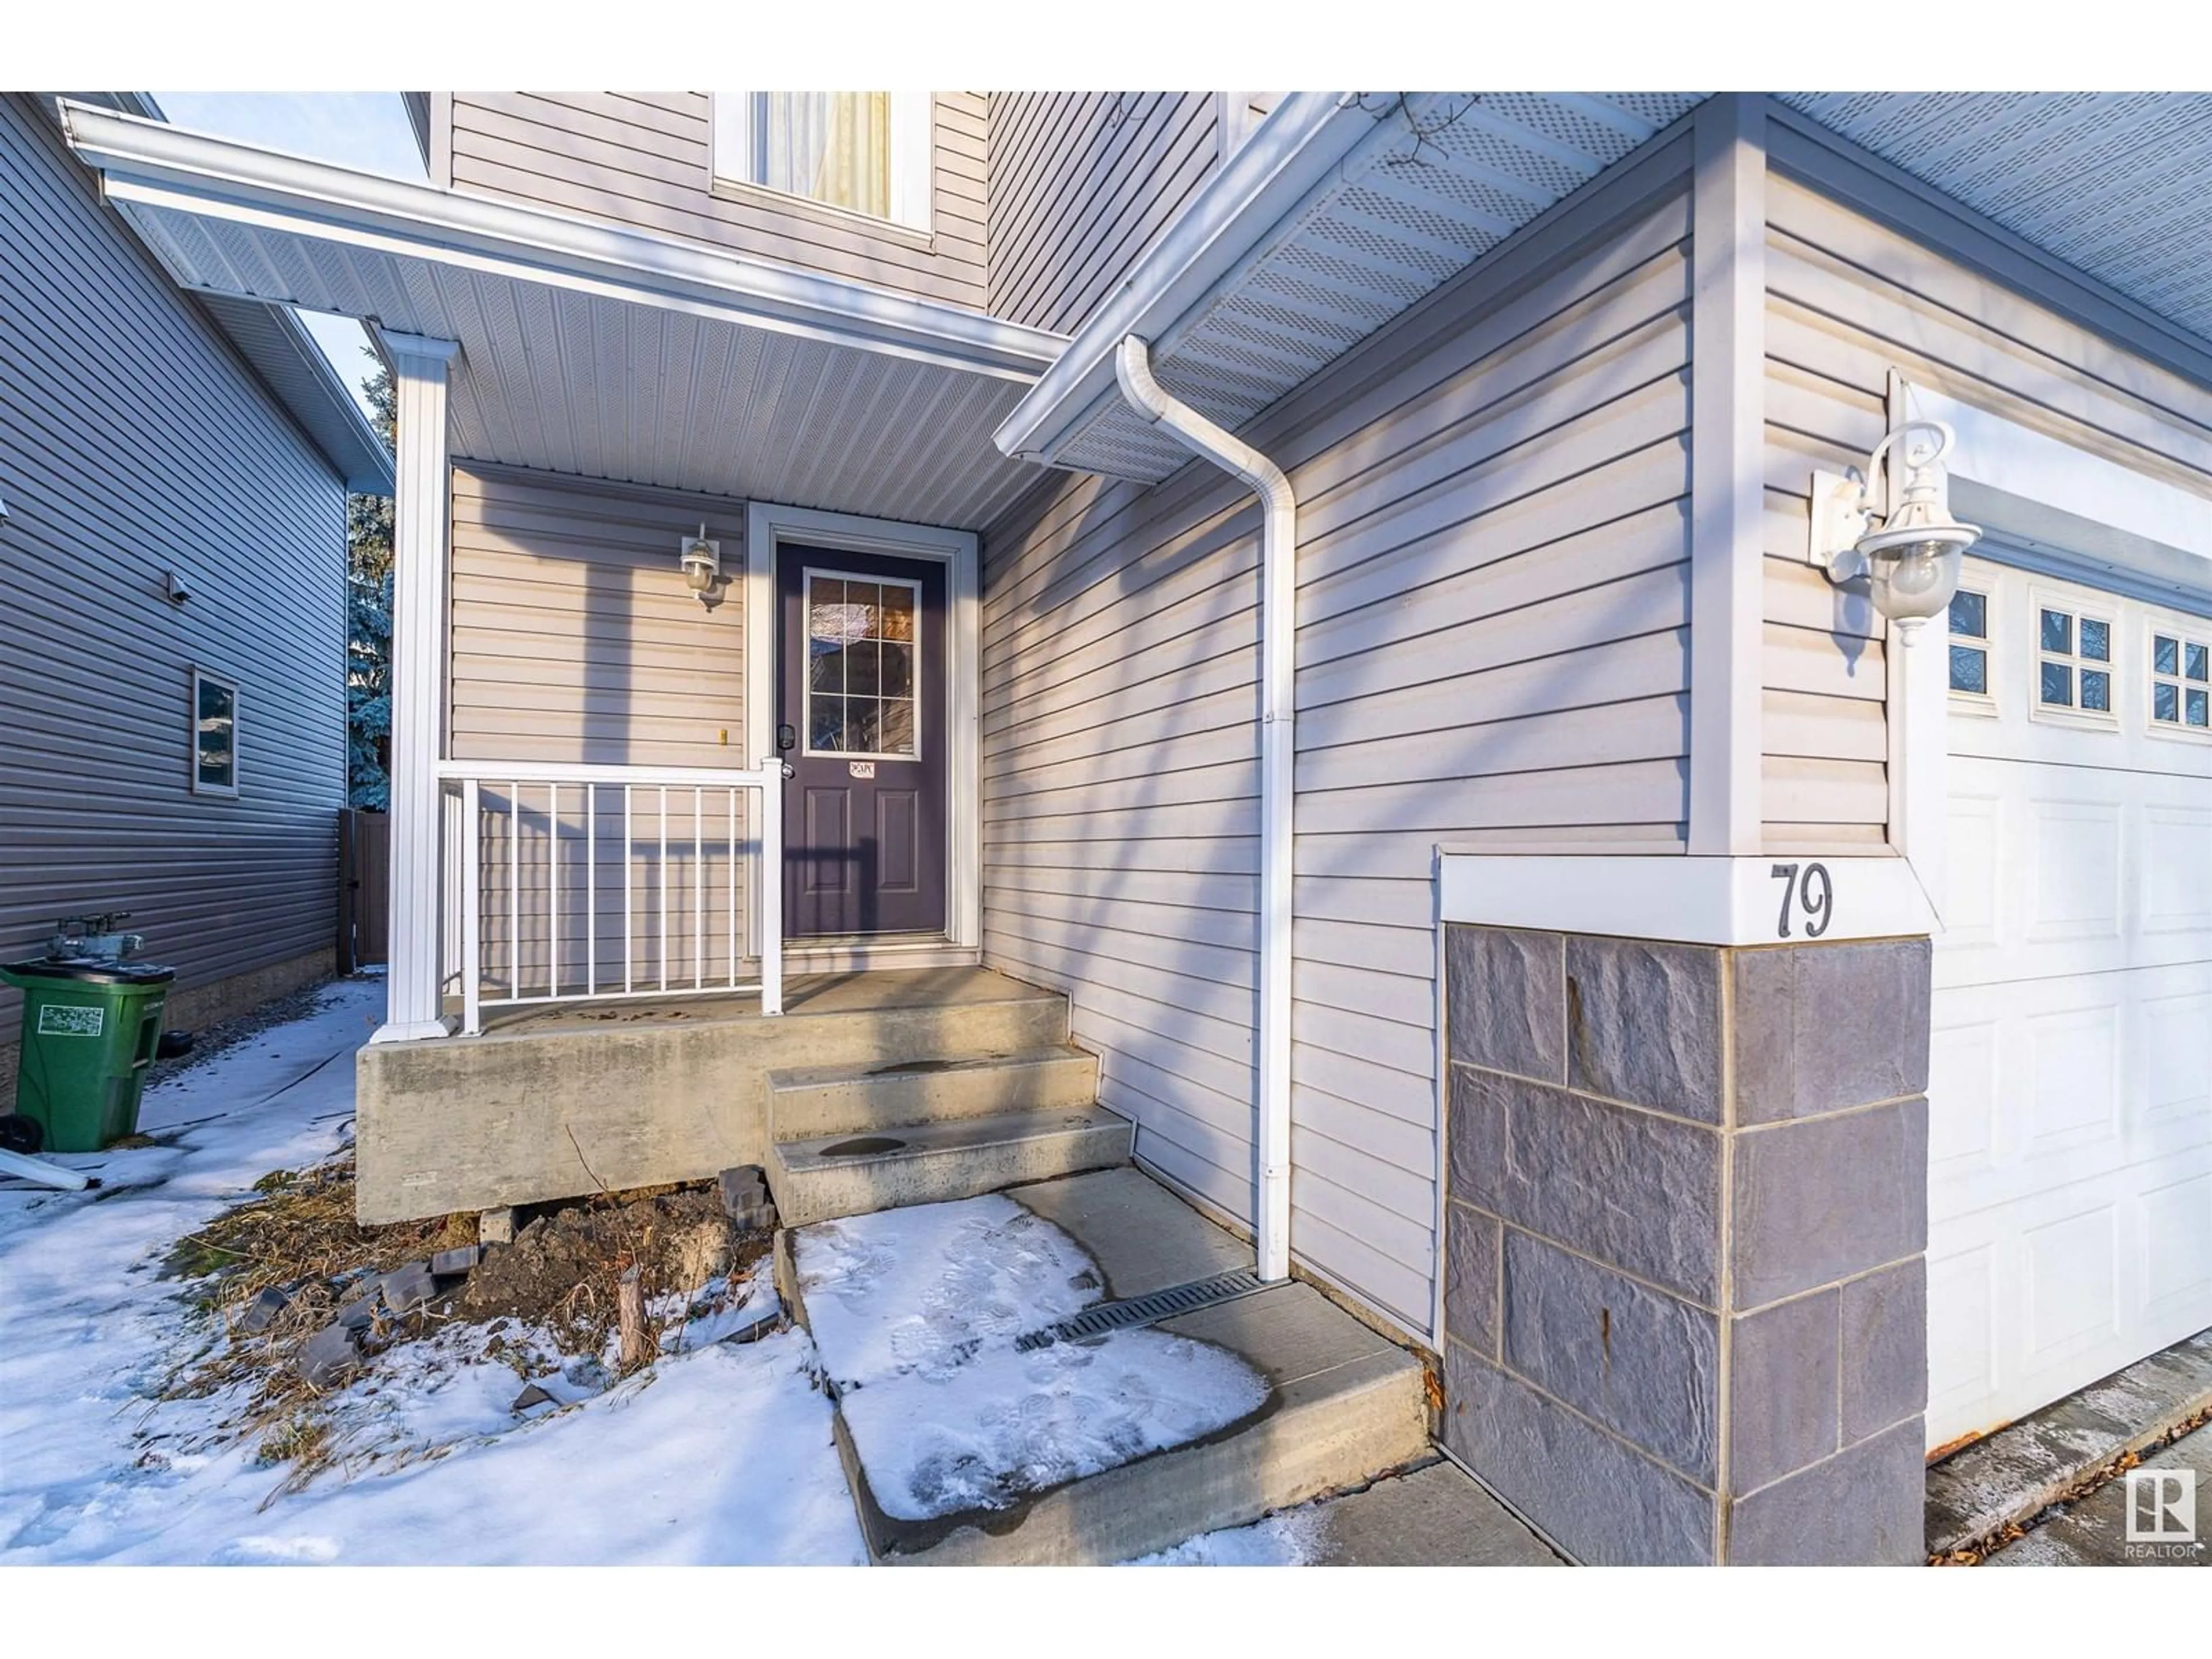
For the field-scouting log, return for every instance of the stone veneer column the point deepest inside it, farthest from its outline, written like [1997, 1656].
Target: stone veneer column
[1686, 1305]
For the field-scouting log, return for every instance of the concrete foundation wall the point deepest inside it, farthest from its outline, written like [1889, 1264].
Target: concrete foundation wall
[1685, 1302]
[473, 1123]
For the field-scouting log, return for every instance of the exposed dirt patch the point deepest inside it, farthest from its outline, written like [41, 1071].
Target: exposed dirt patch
[559, 1280]
[562, 1268]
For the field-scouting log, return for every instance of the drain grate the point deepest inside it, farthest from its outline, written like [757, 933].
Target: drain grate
[1145, 1309]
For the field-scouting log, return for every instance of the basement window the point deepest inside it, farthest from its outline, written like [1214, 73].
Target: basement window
[215, 735]
[865, 153]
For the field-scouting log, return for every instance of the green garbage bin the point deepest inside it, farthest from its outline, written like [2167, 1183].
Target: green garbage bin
[90, 1030]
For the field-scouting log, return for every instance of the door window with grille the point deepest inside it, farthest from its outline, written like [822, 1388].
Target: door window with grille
[861, 666]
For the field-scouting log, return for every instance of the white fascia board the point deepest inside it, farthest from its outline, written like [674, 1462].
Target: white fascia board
[1694, 901]
[172, 167]
[369, 468]
[2025, 483]
[1307, 145]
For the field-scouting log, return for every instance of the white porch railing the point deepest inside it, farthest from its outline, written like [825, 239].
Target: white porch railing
[576, 883]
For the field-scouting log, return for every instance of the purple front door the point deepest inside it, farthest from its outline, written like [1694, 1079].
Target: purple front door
[860, 718]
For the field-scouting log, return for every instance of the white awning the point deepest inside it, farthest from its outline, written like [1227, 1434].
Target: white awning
[597, 351]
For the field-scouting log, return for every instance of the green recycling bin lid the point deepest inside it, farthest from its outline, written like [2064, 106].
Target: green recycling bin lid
[91, 970]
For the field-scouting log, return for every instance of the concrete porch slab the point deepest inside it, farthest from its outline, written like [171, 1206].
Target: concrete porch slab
[875, 991]
[2008, 1476]
[556, 1103]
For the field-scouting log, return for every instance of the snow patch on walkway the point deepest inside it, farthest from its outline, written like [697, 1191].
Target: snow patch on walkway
[1007, 1424]
[915, 1313]
[921, 1289]
[1294, 1538]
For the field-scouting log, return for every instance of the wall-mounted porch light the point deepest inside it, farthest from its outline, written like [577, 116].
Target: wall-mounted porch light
[703, 565]
[1911, 562]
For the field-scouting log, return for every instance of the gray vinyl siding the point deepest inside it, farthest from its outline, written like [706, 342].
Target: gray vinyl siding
[1493, 651]
[641, 158]
[1849, 300]
[1081, 184]
[133, 440]
[573, 639]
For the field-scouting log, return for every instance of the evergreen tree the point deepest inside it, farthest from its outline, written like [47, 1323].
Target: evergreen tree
[368, 641]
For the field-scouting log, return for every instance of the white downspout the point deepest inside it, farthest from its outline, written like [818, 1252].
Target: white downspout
[1279, 548]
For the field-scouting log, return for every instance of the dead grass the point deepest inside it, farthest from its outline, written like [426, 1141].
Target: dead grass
[298, 1235]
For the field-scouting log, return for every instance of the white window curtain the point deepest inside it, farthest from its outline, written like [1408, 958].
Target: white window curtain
[833, 147]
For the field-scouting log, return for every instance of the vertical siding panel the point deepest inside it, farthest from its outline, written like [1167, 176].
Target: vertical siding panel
[1493, 528]
[133, 440]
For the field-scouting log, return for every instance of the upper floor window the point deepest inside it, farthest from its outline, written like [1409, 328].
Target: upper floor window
[862, 152]
[2180, 680]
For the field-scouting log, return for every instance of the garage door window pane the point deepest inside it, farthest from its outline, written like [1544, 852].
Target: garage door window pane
[2096, 690]
[2096, 640]
[1970, 669]
[2057, 685]
[2198, 667]
[2196, 709]
[2166, 703]
[2164, 655]
[1969, 614]
[2058, 632]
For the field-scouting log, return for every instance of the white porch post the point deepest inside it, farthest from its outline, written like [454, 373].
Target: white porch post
[419, 368]
[1728, 498]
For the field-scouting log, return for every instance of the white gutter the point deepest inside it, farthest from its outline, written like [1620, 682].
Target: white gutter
[1309, 147]
[1278, 551]
[151, 165]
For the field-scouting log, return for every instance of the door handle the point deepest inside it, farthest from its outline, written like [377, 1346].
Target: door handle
[786, 740]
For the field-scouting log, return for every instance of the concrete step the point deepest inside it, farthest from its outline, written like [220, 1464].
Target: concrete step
[1343, 1405]
[839, 1100]
[828, 1176]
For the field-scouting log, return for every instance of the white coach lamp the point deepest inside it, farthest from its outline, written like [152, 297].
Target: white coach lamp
[1911, 562]
[702, 564]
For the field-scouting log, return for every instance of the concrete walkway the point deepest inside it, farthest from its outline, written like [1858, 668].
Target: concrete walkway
[2024, 1467]
[2091, 1532]
[1433, 1517]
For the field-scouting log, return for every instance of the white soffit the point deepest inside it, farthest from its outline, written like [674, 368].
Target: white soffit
[1453, 175]
[602, 354]
[2118, 185]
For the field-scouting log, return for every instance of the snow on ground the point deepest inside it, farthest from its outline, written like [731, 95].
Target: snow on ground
[920, 1289]
[916, 1310]
[1292, 1539]
[719, 1454]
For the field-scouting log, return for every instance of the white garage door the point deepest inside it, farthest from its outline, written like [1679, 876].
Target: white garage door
[2071, 1086]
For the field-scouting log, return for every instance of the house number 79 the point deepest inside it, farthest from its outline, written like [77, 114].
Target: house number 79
[1819, 906]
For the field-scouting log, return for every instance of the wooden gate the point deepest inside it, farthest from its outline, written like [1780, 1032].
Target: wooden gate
[364, 887]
